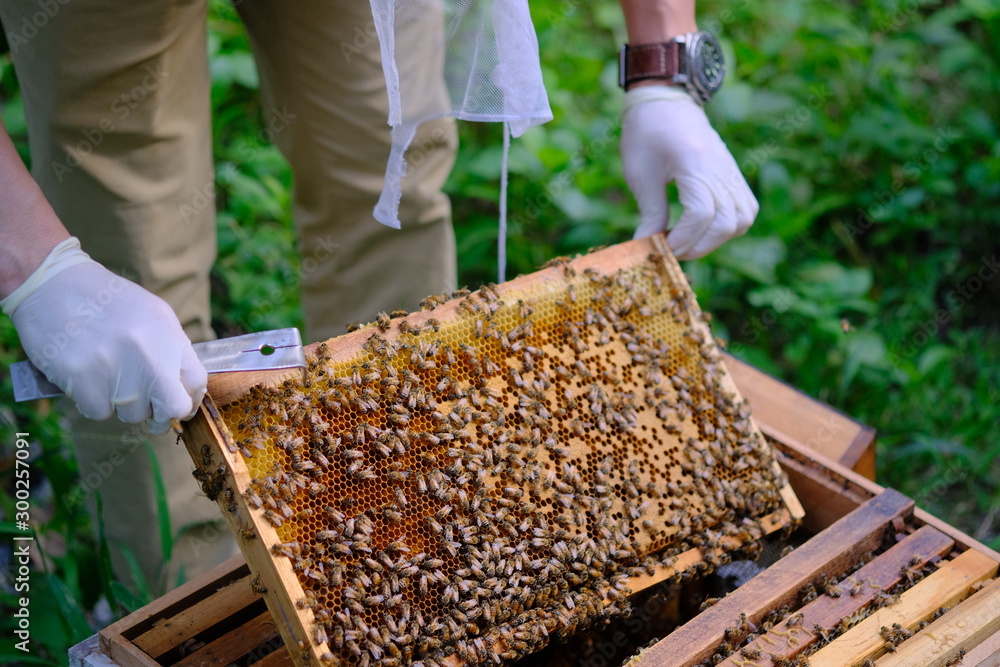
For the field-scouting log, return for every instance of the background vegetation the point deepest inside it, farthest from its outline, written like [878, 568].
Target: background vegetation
[868, 132]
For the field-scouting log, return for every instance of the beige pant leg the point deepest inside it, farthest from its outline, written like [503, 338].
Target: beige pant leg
[322, 80]
[117, 100]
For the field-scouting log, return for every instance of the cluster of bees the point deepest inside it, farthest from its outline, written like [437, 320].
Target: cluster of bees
[476, 478]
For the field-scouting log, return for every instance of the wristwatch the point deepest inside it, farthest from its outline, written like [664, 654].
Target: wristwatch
[692, 60]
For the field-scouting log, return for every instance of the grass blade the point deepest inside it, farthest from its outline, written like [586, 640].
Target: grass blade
[162, 508]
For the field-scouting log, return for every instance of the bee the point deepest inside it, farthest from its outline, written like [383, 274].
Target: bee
[256, 586]
[253, 498]
[290, 549]
[246, 533]
[400, 497]
[407, 328]
[398, 475]
[957, 660]
[273, 518]
[399, 546]
[285, 510]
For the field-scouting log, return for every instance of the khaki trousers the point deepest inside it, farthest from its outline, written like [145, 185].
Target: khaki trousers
[117, 97]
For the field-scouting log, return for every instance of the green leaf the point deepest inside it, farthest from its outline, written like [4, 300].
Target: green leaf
[69, 609]
[129, 600]
[779, 298]
[142, 589]
[104, 561]
[22, 659]
[10, 528]
[829, 280]
[933, 357]
[982, 9]
[230, 68]
[865, 348]
[162, 507]
[754, 257]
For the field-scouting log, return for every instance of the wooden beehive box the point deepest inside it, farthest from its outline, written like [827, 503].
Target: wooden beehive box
[829, 458]
[461, 483]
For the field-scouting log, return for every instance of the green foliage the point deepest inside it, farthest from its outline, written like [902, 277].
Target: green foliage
[868, 133]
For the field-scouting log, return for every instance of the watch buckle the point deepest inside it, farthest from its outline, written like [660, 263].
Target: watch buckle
[621, 67]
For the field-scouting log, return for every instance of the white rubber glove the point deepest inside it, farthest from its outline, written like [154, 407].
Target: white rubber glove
[109, 344]
[667, 137]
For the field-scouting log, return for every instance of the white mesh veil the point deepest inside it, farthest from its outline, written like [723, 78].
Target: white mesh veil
[471, 59]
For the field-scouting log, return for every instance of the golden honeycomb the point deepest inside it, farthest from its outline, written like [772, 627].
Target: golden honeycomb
[470, 480]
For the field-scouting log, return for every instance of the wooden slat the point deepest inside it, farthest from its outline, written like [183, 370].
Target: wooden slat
[986, 654]
[690, 558]
[125, 653]
[233, 644]
[172, 632]
[198, 588]
[961, 538]
[826, 612]
[280, 599]
[278, 658]
[856, 487]
[964, 627]
[787, 414]
[832, 551]
[116, 639]
[943, 588]
[824, 500]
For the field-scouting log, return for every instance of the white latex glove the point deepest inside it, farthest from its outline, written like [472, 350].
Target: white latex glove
[110, 345]
[667, 137]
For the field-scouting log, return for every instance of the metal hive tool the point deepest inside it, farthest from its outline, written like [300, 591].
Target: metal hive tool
[466, 482]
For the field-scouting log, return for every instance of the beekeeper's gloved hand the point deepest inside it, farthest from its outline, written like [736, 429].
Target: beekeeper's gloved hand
[667, 137]
[110, 345]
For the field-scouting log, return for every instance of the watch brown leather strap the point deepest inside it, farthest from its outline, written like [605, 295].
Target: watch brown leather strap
[650, 61]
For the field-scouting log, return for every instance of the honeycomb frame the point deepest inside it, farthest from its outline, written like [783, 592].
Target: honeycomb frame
[504, 454]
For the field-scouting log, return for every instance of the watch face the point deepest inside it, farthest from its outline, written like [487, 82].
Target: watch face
[707, 65]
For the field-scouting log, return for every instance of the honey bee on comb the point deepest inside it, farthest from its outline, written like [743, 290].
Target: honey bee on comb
[493, 469]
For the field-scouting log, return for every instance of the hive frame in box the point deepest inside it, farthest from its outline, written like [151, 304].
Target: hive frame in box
[818, 447]
[213, 448]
